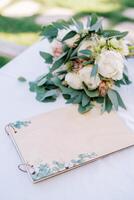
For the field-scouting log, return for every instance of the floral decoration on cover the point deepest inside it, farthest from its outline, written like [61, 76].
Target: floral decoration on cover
[86, 64]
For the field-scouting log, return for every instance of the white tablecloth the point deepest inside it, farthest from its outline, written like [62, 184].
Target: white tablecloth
[110, 178]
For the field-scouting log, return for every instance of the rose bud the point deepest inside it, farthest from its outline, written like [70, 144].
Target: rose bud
[103, 87]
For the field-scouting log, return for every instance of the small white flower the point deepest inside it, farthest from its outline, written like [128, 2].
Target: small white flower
[73, 80]
[87, 44]
[102, 41]
[85, 75]
[121, 45]
[111, 64]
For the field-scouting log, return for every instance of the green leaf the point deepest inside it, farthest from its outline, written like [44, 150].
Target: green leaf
[48, 57]
[85, 99]
[113, 97]
[93, 19]
[75, 99]
[114, 33]
[42, 81]
[94, 70]
[86, 63]
[91, 93]
[78, 24]
[97, 26]
[40, 93]
[126, 79]
[22, 79]
[108, 104]
[103, 108]
[50, 32]
[68, 54]
[86, 52]
[69, 35]
[88, 21]
[85, 109]
[61, 24]
[32, 86]
[46, 96]
[120, 101]
[58, 62]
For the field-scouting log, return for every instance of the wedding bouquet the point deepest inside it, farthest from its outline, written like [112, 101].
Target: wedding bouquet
[86, 64]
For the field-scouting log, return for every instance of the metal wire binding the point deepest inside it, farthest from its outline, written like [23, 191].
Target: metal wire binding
[21, 169]
[7, 126]
[24, 170]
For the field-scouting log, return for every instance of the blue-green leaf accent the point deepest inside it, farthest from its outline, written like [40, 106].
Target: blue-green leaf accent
[45, 170]
[20, 124]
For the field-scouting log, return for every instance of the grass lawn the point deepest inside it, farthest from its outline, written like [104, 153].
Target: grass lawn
[24, 30]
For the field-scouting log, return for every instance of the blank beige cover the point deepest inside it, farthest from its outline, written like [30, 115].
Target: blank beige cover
[63, 139]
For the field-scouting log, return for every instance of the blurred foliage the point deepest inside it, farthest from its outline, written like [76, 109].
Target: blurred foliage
[24, 30]
[3, 61]
[18, 25]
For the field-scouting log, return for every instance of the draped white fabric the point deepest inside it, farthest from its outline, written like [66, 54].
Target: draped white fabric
[110, 178]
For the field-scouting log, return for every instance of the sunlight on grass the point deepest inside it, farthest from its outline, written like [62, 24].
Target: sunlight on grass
[84, 5]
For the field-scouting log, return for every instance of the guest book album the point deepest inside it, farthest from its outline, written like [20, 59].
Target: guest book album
[58, 141]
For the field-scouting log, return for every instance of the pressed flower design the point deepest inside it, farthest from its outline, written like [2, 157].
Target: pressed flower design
[46, 170]
[20, 124]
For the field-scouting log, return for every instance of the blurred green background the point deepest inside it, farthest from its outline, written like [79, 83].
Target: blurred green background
[21, 20]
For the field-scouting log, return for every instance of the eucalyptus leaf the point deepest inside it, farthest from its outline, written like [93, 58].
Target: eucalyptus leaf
[113, 97]
[113, 33]
[58, 62]
[94, 70]
[93, 19]
[86, 63]
[42, 81]
[120, 101]
[85, 52]
[79, 25]
[108, 104]
[91, 93]
[97, 26]
[85, 109]
[88, 21]
[32, 86]
[22, 79]
[69, 35]
[47, 56]
[85, 99]
[50, 32]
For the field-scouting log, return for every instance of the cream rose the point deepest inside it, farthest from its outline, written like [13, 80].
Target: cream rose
[87, 44]
[121, 45]
[85, 75]
[73, 80]
[110, 64]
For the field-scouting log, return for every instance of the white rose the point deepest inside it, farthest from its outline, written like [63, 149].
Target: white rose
[70, 42]
[110, 64]
[73, 80]
[85, 75]
[88, 44]
[121, 45]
